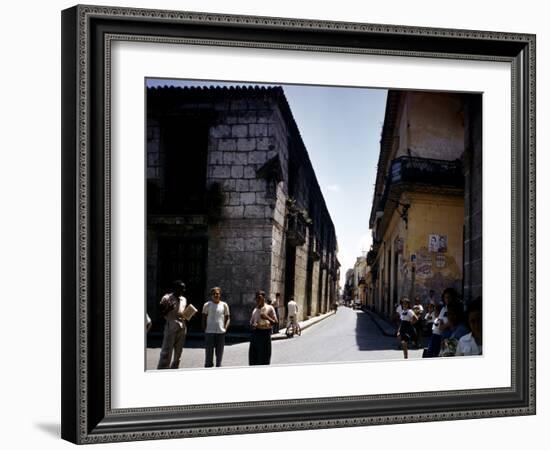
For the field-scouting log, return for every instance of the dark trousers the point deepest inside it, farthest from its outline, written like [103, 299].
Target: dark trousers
[434, 346]
[259, 352]
[214, 342]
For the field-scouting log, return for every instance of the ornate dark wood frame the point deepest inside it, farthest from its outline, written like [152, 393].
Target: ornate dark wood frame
[87, 33]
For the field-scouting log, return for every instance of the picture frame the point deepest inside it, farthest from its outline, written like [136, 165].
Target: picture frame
[87, 413]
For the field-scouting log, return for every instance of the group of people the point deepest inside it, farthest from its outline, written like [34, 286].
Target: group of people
[264, 321]
[452, 328]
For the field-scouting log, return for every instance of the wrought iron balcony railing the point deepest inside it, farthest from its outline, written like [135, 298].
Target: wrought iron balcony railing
[296, 231]
[427, 171]
[416, 171]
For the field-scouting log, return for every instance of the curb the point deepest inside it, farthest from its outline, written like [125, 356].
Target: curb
[244, 337]
[304, 325]
[382, 325]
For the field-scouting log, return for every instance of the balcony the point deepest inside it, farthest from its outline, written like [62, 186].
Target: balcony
[296, 231]
[427, 171]
[422, 173]
[371, 257]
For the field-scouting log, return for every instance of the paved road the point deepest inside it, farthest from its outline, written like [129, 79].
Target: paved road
[346, 336]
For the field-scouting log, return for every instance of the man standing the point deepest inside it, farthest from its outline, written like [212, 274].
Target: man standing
[215, 320]
[172, 306]
[262, 320]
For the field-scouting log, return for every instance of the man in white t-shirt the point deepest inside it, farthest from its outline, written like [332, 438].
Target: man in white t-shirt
[215, 320]
[172, 306]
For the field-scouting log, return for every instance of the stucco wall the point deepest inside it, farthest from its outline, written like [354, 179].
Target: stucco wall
[434, 215]
[431, 126]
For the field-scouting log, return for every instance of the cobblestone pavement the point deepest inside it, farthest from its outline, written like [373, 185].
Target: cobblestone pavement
[349, 335]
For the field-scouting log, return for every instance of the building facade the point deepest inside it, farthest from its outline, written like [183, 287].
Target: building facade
[233, 201]
[426, 209]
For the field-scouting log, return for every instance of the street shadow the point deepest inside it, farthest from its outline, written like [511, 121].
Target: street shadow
[369, 337]
[196, 340]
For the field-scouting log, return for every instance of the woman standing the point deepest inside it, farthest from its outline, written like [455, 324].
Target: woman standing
[406, 331]
[262, 321]
[439, 323]
[418, 310]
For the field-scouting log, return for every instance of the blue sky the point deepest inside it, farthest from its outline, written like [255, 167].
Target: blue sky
[341, 129]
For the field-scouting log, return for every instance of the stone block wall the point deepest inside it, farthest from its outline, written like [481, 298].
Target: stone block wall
[300, 278]
[315, 288]
[155, 159]
[246, 236]
[239, 260]
[278, 259]
[473, 199]
[246, 248]
[153, 296]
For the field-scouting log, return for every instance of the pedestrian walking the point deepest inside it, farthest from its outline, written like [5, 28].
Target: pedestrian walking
[172, 306]
[292, 319]
[262, 320]
[406, 331]
[396, 318]
[215, 321]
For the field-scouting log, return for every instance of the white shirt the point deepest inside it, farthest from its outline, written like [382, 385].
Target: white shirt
[435, 327]
[292, 308]
[430, 317]
[467, 346]
[407, 315]
[399, 309]
[215, 316]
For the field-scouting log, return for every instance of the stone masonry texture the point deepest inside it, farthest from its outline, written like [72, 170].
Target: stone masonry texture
[252, 172]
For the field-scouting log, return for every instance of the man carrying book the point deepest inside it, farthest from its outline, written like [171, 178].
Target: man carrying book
[172, 307]
[215, 320]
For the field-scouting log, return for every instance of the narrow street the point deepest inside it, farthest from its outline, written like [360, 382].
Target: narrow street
[349, 335]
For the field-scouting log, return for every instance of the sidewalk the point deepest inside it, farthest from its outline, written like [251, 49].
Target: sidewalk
[304, 324]
[244, 335]
[383, 325]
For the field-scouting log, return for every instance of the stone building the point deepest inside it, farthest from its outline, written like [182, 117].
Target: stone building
[426, 212]
[233, 201]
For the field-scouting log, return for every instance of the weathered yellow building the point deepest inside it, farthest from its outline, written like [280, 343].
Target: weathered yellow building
[418, 212]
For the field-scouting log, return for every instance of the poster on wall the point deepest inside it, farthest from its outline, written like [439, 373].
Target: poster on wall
[437, 243]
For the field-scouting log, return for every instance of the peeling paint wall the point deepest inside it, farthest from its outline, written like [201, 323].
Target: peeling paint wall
[423, 267]
[431, 126]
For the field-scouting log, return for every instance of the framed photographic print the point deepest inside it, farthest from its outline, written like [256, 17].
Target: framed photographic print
[337, 219]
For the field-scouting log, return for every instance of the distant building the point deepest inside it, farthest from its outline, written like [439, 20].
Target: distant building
[233, 201]
[360, 271]
[426, 212]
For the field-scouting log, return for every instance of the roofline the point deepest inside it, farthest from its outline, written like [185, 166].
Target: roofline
[274, 92]
[386, 140]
